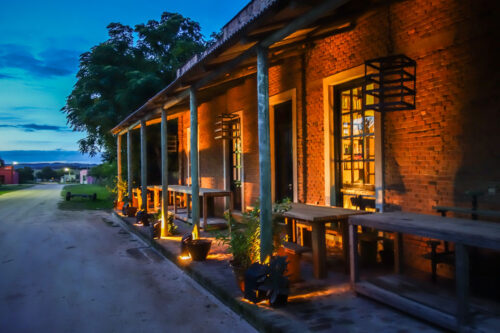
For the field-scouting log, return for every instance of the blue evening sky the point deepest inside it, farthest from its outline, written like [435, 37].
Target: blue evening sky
[40, 42]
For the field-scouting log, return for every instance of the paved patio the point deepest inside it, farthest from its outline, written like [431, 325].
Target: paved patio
[313, 305]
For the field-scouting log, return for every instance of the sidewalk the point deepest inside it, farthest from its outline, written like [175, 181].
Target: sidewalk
[313, 305]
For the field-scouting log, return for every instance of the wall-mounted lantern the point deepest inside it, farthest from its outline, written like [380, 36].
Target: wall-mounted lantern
[390, 83]
[223, 126]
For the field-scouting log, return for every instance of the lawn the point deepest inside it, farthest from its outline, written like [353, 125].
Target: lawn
[9, 188]
[104, 198]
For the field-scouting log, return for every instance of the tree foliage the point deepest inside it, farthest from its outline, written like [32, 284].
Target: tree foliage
[119, 75]
[25, 175]
[47, 173]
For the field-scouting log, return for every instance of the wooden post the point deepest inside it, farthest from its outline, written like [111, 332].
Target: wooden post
[195, 183]
[319, 250]
[462, 284]
[144, 167]
[119, 165]
[129, 166]
[164, 173]
[398, 253]
[266, 237]
[353, 252]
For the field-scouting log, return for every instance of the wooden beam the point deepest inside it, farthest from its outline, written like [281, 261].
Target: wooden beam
[164, 173]
[195, 183]
[129, 166]
[353, 254]
[119, 164]
[266, 241]
[144, 167]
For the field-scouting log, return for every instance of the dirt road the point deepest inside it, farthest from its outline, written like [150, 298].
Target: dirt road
[74, 271]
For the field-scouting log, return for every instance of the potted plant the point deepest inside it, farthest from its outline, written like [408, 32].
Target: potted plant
[119, 189]
[243, 239]
[199, 248]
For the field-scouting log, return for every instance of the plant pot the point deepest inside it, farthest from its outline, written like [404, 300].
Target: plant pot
[199, 248]
[119, 205]
[239, 274]
[130, 211]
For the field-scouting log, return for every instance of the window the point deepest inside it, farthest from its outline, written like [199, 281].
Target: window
[356, 144]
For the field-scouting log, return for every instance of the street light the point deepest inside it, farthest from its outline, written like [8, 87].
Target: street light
[67, 170]
[12, 172]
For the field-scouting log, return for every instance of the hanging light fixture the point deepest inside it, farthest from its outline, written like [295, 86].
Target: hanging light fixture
[390, 86]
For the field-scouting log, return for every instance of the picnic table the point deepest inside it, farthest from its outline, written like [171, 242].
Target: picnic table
[205, 193]
[317, 217]
[462, 232]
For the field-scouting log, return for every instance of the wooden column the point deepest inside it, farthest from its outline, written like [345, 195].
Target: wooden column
[129, 166]
[266, 237]
[144, 167]
[164, 173]
[119, 164]
[353, 254]
[195, 183]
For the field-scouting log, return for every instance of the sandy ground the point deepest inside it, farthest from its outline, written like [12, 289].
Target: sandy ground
[73, 271]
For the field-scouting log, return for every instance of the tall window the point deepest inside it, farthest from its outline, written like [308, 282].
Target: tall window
[235, 151]
[356, 145]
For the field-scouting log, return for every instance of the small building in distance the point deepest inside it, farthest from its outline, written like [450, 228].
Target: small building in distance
[8, 175]
[85, 178]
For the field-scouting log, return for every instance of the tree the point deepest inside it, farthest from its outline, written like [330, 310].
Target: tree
[2, 163]
[47, 173]
[25, 175]
[118, 75]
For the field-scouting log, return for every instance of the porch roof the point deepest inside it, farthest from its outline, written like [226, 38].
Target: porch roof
[284, 26]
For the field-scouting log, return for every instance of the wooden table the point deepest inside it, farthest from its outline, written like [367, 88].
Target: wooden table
[462, 232]
[317, 217]
[205, 193]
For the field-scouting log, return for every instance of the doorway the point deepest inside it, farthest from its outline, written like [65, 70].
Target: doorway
[283, 152]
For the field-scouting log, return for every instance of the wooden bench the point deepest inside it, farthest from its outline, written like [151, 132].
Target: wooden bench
[294, 252]
[447, 256]
[462, 210]
[463, 232]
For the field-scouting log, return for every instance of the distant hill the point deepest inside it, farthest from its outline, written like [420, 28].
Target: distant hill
[55, 165]
[48, 156]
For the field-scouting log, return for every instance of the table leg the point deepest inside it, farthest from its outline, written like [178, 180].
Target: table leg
[462, 284]
[353, 252]
[398, 253]
[205, 212]
[344, 226]
[188, 207]
[319, 250]
[175, 202]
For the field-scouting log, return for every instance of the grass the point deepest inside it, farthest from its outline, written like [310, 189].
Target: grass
[104, 198]
[10, 188]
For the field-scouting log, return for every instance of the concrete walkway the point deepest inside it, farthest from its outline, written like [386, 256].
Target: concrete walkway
[65, 271]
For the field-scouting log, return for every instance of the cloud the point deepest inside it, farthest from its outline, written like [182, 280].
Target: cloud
[48, 63]
[36, 127]
[6, 76]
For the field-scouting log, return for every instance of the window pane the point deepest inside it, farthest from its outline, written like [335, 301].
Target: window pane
[346, 149]
[357, 148]
[357, 123]
[346, 125]
[369, 122]
[370, 147]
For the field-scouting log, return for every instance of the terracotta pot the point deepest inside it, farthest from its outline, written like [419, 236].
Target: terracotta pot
[199, 248]
[119, 205]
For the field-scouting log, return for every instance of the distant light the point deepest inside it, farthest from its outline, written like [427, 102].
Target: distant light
[66, 169]
[15, 163]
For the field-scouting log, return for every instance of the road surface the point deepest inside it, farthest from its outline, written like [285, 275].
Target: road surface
[74, 271]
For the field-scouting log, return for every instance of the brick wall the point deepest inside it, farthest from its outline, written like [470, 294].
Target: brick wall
[432, 154]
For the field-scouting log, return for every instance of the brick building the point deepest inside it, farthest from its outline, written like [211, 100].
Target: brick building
[326, 148]
[8, 175]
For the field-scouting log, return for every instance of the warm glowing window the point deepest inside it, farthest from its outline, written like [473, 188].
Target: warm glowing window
[355, 142]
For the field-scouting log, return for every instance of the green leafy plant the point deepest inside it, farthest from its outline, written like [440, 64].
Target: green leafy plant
[170, 226]
[243, 239]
